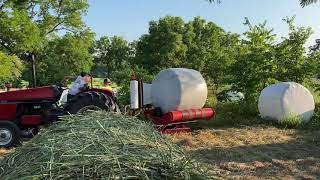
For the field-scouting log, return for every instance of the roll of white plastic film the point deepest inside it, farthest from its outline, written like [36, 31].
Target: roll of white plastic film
[134, 94]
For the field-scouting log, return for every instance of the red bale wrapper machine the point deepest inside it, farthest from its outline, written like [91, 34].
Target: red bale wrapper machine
[173, 100]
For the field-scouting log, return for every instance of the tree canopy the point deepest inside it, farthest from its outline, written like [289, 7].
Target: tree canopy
[111, 53]
[307, 2]
[303, 3]
[10, 68]
[29, 27]
[54, 32]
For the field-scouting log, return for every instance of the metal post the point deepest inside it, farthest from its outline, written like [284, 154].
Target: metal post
[33, 64]
[91, 81]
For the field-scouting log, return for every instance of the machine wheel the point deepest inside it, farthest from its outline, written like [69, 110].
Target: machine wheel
[92, 101]
[9, 134]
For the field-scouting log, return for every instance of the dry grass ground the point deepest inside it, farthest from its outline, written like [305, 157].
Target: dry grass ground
[4, 152]
[256, 152]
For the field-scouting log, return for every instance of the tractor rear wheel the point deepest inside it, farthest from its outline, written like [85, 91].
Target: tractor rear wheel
[9, 134]
[92, 101]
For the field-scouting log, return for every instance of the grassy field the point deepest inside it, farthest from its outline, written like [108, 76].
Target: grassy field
[237, 144]
[256, 152]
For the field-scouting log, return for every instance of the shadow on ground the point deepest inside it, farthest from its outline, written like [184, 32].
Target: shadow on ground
[256, 153]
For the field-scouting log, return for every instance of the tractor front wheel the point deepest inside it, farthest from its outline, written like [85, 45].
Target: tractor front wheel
[9, 134]
[92, 101]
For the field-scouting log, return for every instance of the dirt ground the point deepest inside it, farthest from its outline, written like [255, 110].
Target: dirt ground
[256, 152]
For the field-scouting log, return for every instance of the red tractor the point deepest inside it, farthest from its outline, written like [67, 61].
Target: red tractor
[22, 112]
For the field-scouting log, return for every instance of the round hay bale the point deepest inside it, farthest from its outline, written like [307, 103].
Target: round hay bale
[178, 89]
[286, 100]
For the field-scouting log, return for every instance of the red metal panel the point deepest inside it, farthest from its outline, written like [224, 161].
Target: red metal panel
[42, 93]
[31, 120]
[192, 114]
[8, 112]
[180, 117]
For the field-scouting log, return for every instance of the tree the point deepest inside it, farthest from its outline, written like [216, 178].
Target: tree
[163, 47]
[10, 68]
[197, 44]
[254, 67]
[290, 57]
[261, 61]
[210, 50]
[305, 3]
[27, 26]
[67, 55]
[111, 53]
[212, 1]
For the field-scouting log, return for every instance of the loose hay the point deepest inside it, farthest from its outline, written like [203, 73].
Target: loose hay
[100, 146]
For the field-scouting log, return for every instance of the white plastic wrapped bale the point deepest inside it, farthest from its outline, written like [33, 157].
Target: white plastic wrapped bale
[286, 100]
[178, 89]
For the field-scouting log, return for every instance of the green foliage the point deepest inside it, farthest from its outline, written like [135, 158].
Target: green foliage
[262, 62]
[246, 114]
[163, 47]
[314, 124]
[31, 27]
[111, 53]
[313, 60]
[26, 25]
[68, 55]
[291, 123]
[243, 113]
[212, 1]
[197, 44]
[247, 65]
[235, 115]
[254, 67]
[10, 68]
[289, 55]
[305, 3]
[18, 33]
[122, 79]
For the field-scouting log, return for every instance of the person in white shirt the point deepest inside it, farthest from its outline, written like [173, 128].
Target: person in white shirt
[80, 84]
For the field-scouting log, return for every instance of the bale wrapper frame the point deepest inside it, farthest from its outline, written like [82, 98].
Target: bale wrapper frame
[23, 112]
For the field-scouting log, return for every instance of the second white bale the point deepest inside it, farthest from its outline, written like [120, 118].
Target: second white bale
[286, 100]
[179, 89]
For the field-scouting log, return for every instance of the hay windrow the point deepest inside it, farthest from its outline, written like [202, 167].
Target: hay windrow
[100, 146]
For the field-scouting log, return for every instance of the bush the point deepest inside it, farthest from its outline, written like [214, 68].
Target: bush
[290, 123]
[10, 68]
[314, 124]
[235, 114]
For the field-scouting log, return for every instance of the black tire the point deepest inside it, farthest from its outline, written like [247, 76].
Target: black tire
[9, 134]
[92, 101]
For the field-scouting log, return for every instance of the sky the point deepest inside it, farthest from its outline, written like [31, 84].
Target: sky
[130, 18]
